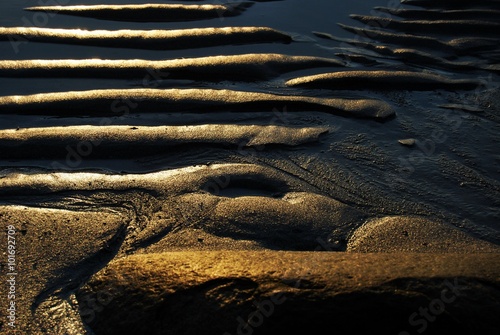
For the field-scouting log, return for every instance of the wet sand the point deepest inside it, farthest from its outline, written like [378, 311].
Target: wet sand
[251, 168]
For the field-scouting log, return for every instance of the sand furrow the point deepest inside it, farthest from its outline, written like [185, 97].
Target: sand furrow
[370, 54]
[115, 101]
[452, 3]
[429, 14]
[459, 45]
[414, 234]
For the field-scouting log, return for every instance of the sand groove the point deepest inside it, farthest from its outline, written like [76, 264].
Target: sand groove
[451, 3]
[380, 80]
[463, 27]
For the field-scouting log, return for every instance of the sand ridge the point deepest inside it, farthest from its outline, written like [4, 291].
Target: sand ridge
[149, 100]
[150, 12]
[256, 66]
[148, 39]
[380, 80]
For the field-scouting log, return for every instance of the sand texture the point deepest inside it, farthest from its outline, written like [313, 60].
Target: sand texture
[249, 167]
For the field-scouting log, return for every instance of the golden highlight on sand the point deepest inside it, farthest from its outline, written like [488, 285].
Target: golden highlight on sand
[119, 101]
[165, 182]
[382, 80]
[226, 223]
[244, 67]
[152, 12]
[464, 27]
[127, 141]
[147, 39]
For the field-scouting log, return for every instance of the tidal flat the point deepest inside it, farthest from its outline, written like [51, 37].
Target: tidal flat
[250, 167]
